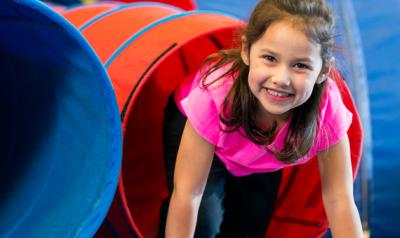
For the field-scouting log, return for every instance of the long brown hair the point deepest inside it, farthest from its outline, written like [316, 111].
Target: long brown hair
[315, 19]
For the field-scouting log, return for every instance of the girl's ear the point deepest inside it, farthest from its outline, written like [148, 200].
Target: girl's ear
[325, 71]
[244, 53]
[323, 76]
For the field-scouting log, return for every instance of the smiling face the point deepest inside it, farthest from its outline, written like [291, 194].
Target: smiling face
[284, 65]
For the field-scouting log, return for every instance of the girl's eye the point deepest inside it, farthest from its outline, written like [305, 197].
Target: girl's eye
[301, 66]
[270, 58]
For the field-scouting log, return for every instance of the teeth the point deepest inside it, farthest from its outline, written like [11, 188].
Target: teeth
[275, 93]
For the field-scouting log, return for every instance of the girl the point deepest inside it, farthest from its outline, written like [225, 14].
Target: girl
[265, 106]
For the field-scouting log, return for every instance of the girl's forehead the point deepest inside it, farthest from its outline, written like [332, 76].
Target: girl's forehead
[283, 36]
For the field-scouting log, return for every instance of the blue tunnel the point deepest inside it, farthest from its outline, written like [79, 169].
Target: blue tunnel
[60, 128]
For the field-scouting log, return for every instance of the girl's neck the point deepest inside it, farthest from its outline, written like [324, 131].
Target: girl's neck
[266, 121]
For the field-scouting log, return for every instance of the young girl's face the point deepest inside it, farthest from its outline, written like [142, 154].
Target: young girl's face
[284, 65]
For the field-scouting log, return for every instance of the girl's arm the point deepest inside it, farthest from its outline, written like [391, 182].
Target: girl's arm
[193, 164]
[337, 190]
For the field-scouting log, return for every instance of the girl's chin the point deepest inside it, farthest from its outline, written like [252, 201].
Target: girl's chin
[277, 114]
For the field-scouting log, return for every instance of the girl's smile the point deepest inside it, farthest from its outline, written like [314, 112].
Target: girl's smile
[277, 95]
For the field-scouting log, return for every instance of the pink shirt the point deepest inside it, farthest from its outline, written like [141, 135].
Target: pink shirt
[240, 155]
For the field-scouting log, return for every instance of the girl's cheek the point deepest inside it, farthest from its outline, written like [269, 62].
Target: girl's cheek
[263, 72]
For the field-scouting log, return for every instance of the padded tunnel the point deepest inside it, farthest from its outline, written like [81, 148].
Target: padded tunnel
[146, 63]
[61, 138]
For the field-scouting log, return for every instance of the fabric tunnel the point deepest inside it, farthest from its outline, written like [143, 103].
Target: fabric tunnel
[148, 50]
[61, 137]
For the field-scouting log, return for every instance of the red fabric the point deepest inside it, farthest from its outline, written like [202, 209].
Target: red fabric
[123, 24]
[143, 165]
[184, 4]
[79, 16]
[299, 211]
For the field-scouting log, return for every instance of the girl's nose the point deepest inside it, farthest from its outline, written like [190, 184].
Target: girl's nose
[281, 77]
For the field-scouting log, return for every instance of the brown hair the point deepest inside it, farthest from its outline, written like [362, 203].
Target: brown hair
[315, 19]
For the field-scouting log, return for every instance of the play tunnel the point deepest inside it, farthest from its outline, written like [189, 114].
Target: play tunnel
[60, 130]
[148, 50]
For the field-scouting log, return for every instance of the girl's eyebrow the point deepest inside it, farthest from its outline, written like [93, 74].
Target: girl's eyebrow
[304, 59]
[266, 50]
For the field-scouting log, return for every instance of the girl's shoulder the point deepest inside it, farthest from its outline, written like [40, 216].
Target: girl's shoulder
[202, 104]
[331, 99]
[334, 117]
[215, 85]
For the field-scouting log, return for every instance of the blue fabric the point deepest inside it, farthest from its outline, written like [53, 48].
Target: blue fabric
[61, 139]
[240, 9]
[380, 34]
